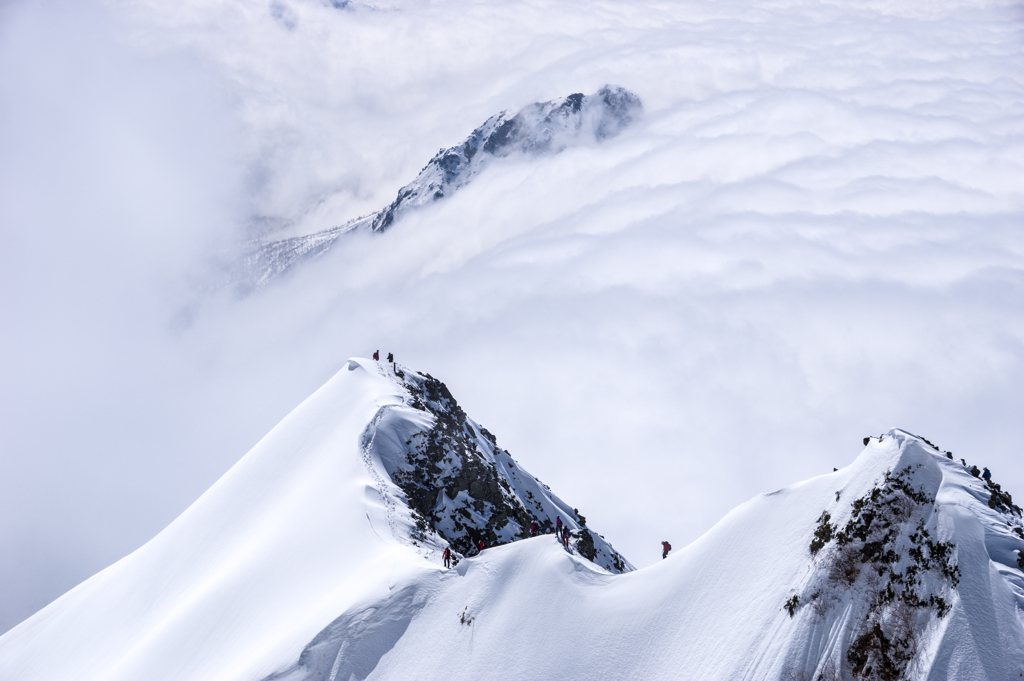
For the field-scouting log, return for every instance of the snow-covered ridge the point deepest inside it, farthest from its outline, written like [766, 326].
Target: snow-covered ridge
[537, 129]
[317, 557]
[885, 587]
[919, 577]
[457, 485]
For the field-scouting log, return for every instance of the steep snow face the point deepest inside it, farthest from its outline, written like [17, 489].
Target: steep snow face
[458, 483]
[906, 571]
[538, 129]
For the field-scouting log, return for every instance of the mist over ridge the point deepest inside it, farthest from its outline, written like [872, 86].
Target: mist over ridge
[812, 234]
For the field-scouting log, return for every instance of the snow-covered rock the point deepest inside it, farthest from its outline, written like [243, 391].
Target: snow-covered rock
[538, 129]
[318, 557]
[541, 128]
[457, 484]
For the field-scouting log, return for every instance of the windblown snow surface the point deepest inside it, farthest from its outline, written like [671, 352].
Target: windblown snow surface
[813, 232]
[303, 563]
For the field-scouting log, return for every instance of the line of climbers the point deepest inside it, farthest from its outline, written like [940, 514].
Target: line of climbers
[376, 356]
[562, 532]
[985, 474]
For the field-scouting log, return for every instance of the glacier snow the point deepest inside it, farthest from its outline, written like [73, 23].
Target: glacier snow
[306, 562]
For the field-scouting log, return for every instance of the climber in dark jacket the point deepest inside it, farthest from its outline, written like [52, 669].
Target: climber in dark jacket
[376, 355]
[447, 555]
[391, 358]
[665, 548]
[987, 474]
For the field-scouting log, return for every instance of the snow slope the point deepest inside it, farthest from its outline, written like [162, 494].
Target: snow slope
[287, 537]
[306, 562]
[305, 526]
[715, 610]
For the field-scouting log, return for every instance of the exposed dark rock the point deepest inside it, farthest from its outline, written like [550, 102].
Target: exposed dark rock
[585, 545]
[885, 549]
[459, 484]
[1000, 500]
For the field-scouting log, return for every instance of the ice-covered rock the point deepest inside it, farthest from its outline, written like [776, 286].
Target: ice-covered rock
[458, 483]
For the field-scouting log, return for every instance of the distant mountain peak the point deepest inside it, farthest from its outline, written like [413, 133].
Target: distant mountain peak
[539, 129]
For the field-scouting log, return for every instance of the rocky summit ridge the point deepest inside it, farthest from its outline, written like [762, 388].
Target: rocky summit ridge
[459, 486]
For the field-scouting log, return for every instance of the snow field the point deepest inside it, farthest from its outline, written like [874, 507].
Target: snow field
[247, 575]
[298, 565]
[712, 611]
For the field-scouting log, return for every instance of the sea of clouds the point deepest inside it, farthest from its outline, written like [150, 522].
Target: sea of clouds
[813, 234]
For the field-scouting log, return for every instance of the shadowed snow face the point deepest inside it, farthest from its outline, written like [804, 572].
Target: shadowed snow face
[811, 235]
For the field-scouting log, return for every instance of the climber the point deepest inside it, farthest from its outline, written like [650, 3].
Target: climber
[987, 474]
[558, 525]
[665, 548]
[391, 358]
[565, 536]
[533, 529]
[447, 555]
[376, 355]
[481, 546]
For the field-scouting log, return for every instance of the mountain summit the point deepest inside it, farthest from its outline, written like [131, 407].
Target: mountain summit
[317, 558]
[538, 129]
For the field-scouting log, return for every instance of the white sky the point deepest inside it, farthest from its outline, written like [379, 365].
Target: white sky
[814, 234]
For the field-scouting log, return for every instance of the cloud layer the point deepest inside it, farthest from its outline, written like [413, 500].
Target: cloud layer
[812, 235]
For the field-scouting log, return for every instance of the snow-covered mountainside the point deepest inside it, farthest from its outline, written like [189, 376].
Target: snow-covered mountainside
[537, 129]
[265, 260]
[318, 557]
[457, 486]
